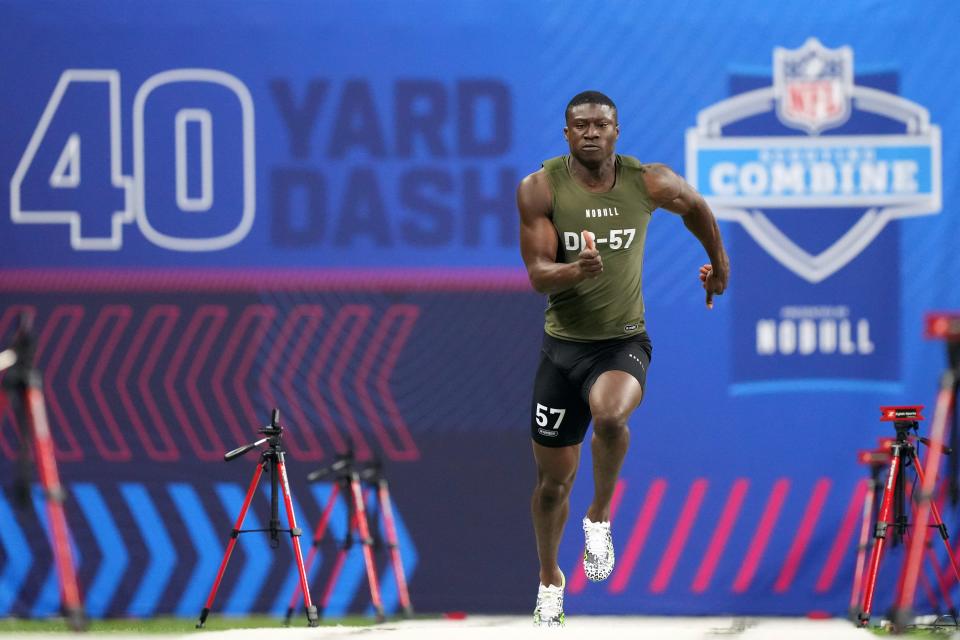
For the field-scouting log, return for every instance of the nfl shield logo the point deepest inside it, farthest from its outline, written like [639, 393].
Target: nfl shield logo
[812, 85]
[814, 166]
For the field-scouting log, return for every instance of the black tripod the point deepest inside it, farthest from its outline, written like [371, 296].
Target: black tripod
[23, 383]
[271, 459]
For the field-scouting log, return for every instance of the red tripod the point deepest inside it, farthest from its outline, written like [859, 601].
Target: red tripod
[877, 460]
[24, 386]
[903, 454]
[944, 326]
[271, 458]
[348, 482]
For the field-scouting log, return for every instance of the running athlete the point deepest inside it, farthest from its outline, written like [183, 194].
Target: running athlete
[583, 223]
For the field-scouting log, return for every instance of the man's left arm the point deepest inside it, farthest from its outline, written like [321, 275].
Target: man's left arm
[671, 192]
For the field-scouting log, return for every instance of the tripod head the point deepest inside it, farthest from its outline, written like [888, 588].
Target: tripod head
[945, 325]
[341, 467]
[273, 431]
[906, 419]
[904, 427]
[345, 465]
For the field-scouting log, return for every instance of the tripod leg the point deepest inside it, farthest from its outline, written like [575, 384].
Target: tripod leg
[925, 580]
[230, 545]
[50, 479]
[954, 463]
[879, 537]
[311, 610]
[318, 533]
[928, 589]
[386, 507]
[863, 545]
[928, 481]
[337, 567]
[942, 584]
[367, 542]
[938, 522]
[21, 485]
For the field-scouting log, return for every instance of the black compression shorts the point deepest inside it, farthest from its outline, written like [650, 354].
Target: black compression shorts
[560, 411]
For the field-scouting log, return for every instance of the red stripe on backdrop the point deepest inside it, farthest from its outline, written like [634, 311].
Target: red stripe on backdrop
[578, 579]
[122, 315]
[800, 541]
[82, 386]
[842, 542]
[64, 335]
[260, 318]
[155, 437]
[231, 280]
[401, 446]
[360, 315]
[283, 361]
[678, 539]
[638, 537]
[718, 542]
[224, 371]
[761, 537]
[209, 446]
[318, 383]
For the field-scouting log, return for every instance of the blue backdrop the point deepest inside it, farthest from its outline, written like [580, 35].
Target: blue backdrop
[215, 208]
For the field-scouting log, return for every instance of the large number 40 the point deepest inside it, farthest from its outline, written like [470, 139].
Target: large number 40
[72, 169]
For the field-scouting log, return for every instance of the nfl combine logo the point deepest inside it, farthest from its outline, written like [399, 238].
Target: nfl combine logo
[813, 161]
[812, 85]
[887, 175]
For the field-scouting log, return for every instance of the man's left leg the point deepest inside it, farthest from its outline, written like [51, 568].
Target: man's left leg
[613, 397]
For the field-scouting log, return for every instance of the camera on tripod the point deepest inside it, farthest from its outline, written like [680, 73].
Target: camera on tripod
[893, 509]
[272, 462]
[273, 431]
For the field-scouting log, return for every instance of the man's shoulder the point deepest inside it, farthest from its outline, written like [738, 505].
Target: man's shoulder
[534, 192]
[661, 182]
[553, 165]
[630, 162]
[653, 169]
[534, 179]
[657, 171]
[544, 177]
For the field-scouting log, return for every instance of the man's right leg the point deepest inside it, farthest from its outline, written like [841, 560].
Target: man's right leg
[550, 506]
[558, 422]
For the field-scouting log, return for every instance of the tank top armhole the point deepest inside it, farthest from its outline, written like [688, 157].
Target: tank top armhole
[637, 169]
[551, 167]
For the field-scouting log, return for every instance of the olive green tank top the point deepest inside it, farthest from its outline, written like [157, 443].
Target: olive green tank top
[611, 305]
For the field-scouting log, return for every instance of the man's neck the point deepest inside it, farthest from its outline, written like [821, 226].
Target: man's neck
[599, 177]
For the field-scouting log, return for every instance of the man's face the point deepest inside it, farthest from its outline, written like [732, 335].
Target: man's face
[592, 132]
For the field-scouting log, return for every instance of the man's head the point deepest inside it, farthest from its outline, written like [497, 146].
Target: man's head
[589, 97]
[592, 128]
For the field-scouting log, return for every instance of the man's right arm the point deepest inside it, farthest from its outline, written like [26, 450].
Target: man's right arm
[538, 241]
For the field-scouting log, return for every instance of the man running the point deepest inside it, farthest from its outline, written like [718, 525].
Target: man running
[583, 224]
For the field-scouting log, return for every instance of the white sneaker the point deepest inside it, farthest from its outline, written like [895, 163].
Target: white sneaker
[549, 610]
[598, 557]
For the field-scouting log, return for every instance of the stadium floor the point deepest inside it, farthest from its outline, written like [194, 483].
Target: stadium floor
[517, 627]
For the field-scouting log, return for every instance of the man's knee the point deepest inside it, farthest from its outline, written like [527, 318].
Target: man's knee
[553, 491]
[610, 425]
